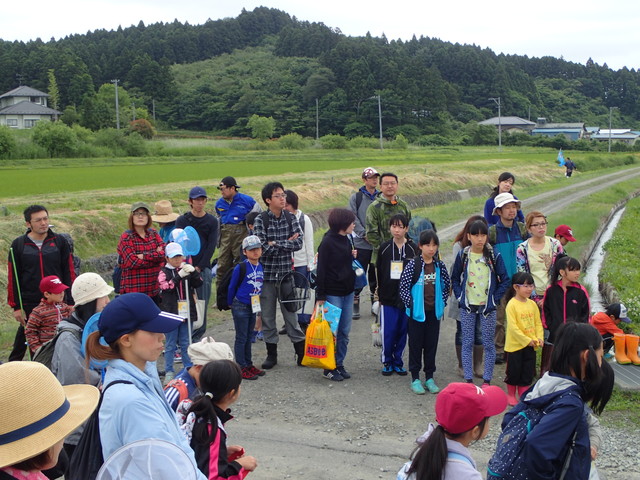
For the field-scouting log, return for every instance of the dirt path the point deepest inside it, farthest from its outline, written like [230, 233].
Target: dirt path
[300, 425]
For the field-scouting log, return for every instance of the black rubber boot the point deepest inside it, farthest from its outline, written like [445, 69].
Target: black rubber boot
[272, 356]
[299, 348]
[356, 307]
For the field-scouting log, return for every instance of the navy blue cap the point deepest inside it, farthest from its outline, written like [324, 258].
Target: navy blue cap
[135, 311]
[197, 192]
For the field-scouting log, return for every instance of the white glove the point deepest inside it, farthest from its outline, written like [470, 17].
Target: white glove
[186, 269]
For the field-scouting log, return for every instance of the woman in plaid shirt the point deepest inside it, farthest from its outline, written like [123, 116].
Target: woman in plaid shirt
[141, 253]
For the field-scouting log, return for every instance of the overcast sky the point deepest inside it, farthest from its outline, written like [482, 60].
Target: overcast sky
[607, 32]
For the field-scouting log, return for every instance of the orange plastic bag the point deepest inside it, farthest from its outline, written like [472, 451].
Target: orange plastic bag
[319, 349]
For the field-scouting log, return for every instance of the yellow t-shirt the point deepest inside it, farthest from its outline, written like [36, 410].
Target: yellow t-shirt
[523, 324]
[540, 263]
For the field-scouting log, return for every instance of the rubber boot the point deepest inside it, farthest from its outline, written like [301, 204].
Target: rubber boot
[459, 355]
[299, 348]
[478, 364]
[545, 359]
[356, 307]
[511, 395]
[521, 391]
[619, 340]
[272, 356]
[632, 348]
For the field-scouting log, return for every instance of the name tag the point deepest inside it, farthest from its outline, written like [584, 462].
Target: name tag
[183, 308]
[396, 270]
[255, 303]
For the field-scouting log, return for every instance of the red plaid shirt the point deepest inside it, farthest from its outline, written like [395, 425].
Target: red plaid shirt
[141, 275]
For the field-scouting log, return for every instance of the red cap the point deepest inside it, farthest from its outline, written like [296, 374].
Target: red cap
[462, 406]
[565, 231]
[52, 284]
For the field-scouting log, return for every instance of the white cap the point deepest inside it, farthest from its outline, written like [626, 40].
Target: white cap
[173, 249]
[88, 287]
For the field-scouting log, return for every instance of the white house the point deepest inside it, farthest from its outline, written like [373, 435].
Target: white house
[23, 107]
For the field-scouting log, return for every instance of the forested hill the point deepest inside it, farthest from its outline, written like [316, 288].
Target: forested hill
[269, 63]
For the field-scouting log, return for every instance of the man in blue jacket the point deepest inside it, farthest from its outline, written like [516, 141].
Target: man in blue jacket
[505, 236]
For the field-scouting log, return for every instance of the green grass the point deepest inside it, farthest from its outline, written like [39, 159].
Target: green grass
[622, 411]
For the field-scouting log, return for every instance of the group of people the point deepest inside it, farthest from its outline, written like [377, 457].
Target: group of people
[514, 291]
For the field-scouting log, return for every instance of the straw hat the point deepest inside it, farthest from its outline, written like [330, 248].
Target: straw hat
[38, 412]
[164, 212]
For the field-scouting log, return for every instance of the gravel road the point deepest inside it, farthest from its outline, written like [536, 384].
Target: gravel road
[300, 425]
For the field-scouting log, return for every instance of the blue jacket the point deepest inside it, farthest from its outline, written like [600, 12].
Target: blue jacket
[412, 294]
[497, 288]
[547, 445]
[137, 411]
[506, 243]
[234, 213]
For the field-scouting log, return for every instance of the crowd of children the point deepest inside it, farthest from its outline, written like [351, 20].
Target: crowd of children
[510, 268]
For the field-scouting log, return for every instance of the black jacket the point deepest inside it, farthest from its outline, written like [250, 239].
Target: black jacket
[388, 289]
[335, 275]
[32, 264]
[561, 307]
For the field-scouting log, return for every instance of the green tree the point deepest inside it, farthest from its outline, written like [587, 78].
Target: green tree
[7, 142]
[261, 128]
[55, 137]
[54, 93]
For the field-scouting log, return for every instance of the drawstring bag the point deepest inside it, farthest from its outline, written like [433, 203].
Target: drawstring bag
[319, 350]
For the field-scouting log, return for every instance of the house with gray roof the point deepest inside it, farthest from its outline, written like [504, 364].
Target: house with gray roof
[617, 135]
[24, 106]
[571, 131]
[510, 124]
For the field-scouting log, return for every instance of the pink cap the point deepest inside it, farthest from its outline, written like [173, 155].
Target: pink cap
[462, 406]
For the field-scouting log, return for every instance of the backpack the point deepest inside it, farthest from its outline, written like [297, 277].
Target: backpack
[87, 457]
[492, 261]
[180, 386]
[77, 262]
[222, 291]
[508, 460]
[44, 354]
[493, 234]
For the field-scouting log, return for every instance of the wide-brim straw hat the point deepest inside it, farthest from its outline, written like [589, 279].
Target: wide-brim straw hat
[37, 411]
[164, 212]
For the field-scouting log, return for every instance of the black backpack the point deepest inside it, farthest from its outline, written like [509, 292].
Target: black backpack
[87, 457]
[44, 354]
[223, 288]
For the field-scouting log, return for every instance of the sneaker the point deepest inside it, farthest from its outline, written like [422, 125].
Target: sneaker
[260, 336]
[177, 357]
[254, 334]
[417, 388]
[256, 371]
[387, 370]
[431, 386]
[343, 372]
[247, 374]
[168, 377]
[500, 358]
[400, 370]
[333, 375]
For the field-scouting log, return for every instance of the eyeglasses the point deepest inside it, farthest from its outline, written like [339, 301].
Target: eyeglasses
[279, 195]
[222, 186]
[538, 225]
[140, 214]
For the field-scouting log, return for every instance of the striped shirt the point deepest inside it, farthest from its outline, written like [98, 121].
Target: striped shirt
[43, 322]
[278, 259]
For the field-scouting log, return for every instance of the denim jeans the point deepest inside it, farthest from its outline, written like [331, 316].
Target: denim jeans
[204, 293]
[344, 327]
[179, 335]
[244, 320]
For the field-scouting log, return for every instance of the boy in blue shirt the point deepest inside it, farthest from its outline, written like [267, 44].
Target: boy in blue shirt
[244, 297]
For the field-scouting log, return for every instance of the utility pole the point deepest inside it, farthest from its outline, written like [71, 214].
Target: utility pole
[497, 101]
[380, 121]
[153, 106]
[115, 82]
[317, 121]
[610, 115]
